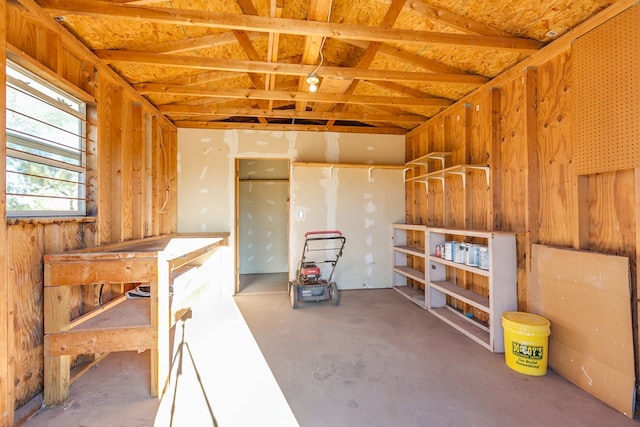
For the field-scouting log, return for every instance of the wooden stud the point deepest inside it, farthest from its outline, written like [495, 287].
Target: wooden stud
[118, 170]
[494, 213]
[105, 170]
[138, 171]
[7, 349]
[158, 186]
[635, 277]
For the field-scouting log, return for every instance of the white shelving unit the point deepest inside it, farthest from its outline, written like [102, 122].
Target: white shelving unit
[441, 281]
[404, 255]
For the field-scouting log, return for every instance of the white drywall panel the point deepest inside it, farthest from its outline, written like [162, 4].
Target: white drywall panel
[361, 204]
[263, 232]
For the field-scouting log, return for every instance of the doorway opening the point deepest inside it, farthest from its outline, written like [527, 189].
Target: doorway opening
[262, 222]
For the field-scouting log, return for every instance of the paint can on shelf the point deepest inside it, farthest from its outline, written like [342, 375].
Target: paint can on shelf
[459, 251]
[483, 257]
[471, 255]
[447, 250]
[438, 251]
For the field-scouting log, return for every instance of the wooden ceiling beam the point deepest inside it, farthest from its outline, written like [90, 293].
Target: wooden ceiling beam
[288, 114]
[453, 20]
[194, 43]
[319, 10]
[248, 8]
[114, 56]
[389, 19]
[273, 95]
[396, 87]
[137, 2]
[394, 52]
[273, 47]
[290, 127]
[98, 8]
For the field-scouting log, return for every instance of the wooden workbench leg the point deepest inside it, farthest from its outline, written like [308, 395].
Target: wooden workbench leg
[56, 379]
[160, 357]
[57, 309]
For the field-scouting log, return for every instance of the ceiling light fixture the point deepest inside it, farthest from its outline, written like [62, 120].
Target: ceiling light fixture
[312, 78]
[312, 81]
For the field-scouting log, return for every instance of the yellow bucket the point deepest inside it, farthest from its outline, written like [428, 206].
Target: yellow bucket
[526, 340]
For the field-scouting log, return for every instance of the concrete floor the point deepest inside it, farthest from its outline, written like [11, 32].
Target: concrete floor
[375, 360]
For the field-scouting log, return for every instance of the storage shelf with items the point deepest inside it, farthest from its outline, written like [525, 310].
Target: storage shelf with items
[456, 258]
[409, 254]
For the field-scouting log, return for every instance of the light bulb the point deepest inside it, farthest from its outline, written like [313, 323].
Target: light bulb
[313, 88]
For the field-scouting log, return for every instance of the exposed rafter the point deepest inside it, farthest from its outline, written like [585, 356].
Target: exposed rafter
[113, 56]
[246, 61]
[146, 88]
[97, 8]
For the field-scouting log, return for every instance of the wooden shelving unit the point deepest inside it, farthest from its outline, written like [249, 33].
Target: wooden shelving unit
[441, 282]
[406, 255]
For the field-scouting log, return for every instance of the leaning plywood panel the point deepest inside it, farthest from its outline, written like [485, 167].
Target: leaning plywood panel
[586, 296]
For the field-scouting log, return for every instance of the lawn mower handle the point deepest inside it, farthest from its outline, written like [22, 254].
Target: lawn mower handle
[308, 233]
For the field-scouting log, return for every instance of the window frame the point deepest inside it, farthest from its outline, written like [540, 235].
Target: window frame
[53, 148]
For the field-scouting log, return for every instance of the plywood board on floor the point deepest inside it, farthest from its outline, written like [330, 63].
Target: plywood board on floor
[587, 298]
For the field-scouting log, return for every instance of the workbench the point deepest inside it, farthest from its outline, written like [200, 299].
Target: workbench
[178, 269]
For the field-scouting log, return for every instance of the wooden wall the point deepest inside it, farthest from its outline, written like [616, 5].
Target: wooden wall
[131, 190]
[521, 125]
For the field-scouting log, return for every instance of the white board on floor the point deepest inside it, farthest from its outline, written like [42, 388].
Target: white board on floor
[587, 298]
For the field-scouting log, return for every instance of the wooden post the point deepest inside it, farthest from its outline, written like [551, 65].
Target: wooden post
[159, 300]
[56, 319]
[494, 220]
[635, 283]
[138, 172]
[532, 221]
[6, 302]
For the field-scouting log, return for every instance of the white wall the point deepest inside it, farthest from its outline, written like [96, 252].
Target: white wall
[359, 203]
[206, 172]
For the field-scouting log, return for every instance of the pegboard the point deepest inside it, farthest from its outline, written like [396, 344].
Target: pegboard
[607, 96]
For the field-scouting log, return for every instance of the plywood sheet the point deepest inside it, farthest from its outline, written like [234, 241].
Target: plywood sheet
[607, 89]
[587, 298]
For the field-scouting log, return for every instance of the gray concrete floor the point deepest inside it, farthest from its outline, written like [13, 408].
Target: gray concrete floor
[375, 360]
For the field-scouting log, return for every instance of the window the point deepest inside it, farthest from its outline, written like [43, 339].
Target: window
[45, 148]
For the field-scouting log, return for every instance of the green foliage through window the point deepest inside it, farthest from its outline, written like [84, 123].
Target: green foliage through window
[45, 148]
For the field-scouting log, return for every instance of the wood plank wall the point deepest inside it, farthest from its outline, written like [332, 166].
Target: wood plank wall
[520, 124]
[6, 306]
[131, 189]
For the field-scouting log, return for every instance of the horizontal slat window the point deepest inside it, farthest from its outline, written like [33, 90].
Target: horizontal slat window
[46, 152]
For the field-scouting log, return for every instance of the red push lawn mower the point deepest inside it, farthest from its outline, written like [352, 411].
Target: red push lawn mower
[309, 284]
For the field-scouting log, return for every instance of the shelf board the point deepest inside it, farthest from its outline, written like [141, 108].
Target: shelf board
[414, 295]
[411, 273]
[464, 325]
[427, 158]
[411, 250]
[470, 233]
[462, 294]
[414, 227]
[127, 313]
[460, 170]
[461, 266]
